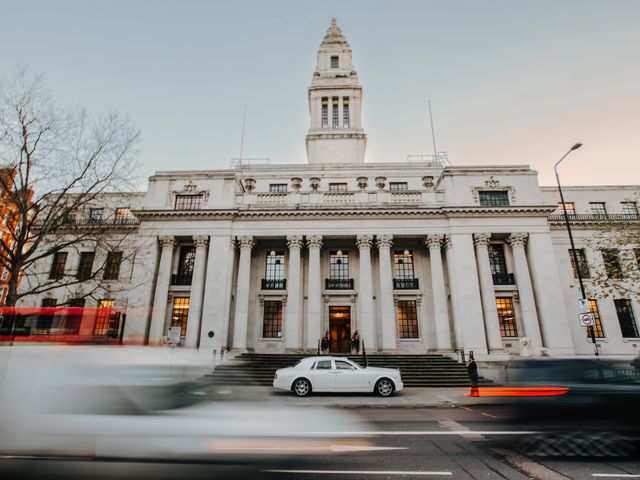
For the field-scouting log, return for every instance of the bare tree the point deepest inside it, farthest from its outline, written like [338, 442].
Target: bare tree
[55, 164]
[616, 243]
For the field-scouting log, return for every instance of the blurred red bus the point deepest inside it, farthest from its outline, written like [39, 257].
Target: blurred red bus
[61, 325]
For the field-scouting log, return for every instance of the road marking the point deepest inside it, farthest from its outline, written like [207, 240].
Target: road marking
[615, 475]
[359, 472]
[489, 415]
[454, 426]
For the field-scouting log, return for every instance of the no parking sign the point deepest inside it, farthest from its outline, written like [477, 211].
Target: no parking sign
[587, 319]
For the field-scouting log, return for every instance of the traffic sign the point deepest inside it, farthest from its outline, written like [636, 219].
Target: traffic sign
[587, 319]
[583, 306]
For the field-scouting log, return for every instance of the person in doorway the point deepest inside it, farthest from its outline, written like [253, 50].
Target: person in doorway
[472, 371]
[355, 342]
[326, 342]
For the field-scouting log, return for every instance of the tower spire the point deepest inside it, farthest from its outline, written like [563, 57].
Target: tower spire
[335, 100]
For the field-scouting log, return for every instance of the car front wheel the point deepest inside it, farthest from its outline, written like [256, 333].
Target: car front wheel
[301, 387]
[384, 387]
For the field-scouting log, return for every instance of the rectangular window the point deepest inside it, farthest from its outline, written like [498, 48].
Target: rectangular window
[272, 319]
[345, 115]
[57, 267]
[278, 187]
[403, 265]
[45, 319]
[123, 215]
[335, 61]
[492, 198]
[597, 328]
[85, 266]
[582, 261]
[598, 208]
[96, 215]
[180, 313]
[335, 116]
[630, 209]
[626, 318]
[407, 313]
[106, 320]
[612, 266]
[506, 317]
[398, 186]
[186, 261]
[568, 206]
[337, 187]
[325, 114]
[497, 260]
[189, 202]
[112, 266]
[339, 265]
[274, 272]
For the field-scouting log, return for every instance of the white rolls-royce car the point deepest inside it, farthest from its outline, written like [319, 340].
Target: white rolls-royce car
[336, 374]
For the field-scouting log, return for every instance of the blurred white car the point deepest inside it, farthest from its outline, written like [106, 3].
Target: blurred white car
[148, 403]
[337, 374]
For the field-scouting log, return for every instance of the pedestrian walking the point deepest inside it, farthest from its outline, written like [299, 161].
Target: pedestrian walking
[355, 342]
[472, 371]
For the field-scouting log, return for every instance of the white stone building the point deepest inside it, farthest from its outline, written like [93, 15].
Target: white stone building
[417, 257]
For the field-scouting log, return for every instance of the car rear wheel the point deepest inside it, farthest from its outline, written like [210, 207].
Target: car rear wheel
[384, 387]
[301, 387]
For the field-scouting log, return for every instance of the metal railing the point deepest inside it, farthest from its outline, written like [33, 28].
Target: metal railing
[503, 279]
[274, 284]
[405, 284]
[559, 217]
[338, 284]
[181, 279]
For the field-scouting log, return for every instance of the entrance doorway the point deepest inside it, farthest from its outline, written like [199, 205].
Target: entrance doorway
[340, 329]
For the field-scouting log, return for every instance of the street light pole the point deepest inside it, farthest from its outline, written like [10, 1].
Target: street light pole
[574, 255]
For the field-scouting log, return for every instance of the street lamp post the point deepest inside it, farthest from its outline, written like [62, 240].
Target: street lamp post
[592, 333]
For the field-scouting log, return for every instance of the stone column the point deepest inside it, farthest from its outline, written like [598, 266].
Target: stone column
[162, 289]
[451, 269]
[440, 308]
[387, 310]
[217, 294]
[242, 294]
[468, 303]
[197, 289]
[491, 324]
[525, 289]
[366, 326]
[293, 317]
[314, 293]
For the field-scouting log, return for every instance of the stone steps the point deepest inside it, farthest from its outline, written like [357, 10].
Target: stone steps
[428, 370]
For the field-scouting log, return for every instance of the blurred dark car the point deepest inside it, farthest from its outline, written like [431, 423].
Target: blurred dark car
[570, 388]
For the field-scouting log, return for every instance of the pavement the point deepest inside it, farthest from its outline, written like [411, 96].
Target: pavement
[408, 397]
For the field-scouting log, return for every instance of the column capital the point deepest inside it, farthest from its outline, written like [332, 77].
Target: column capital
[314, 242]
[434, 241]
[518, 239]
[385, 241]
[294, 242]
[201, 241]
[246, 242]
[481, 239]
[167, 241]
[364, 241]
[448, 242]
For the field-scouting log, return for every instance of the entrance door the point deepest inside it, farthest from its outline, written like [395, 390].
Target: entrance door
[340, 329]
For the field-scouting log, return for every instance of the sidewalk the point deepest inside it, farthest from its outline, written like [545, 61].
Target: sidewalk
[408, 397]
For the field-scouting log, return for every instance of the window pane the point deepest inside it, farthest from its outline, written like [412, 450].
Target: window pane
[112, 266]
[325, 115]
[494, 198]
[626, 318]
[403, 265]
[186, 261]
[123, 215]
[497, 260]
[57, 267]
[337, 187]
[275, 266]
[278, 187]
[86, 265]
[338, 266]
[569, 206]
[106, 320]
[598, 208]
[506, 317]
[335, 61]
[189, 202]
[272, 319]
[582, 261]
[597, 328]
[407, 319]
[345, 115]
[96, 214]
[335, 117]
[397, 186]
[180, 313]
[630, 209]
[323, 365]
[612, 263]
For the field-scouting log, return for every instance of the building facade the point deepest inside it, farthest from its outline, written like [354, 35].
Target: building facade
[420, 256]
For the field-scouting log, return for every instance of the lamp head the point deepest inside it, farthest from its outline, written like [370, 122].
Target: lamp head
[576, 146]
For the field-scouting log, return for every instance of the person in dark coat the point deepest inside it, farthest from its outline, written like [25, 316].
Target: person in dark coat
[472, 371]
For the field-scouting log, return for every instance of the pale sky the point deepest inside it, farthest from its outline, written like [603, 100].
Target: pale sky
[511, 82]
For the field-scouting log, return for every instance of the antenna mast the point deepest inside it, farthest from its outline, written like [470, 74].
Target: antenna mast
[433, 135]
